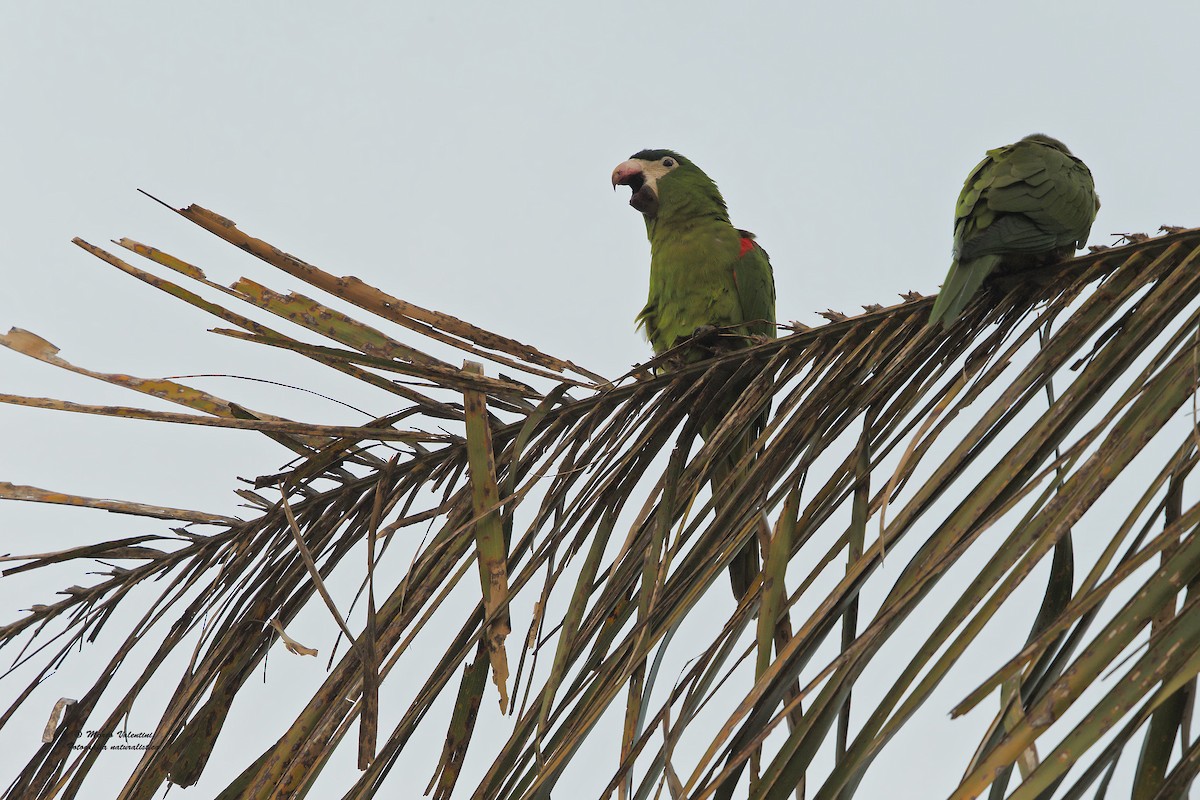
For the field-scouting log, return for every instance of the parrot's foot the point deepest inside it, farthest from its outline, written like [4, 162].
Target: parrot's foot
[758, 338]
[704, 331]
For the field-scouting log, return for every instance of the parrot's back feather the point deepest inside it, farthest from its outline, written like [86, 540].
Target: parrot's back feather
[1009, 234]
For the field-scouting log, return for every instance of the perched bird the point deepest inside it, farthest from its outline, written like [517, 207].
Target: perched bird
[1025, 205]
[705, 274]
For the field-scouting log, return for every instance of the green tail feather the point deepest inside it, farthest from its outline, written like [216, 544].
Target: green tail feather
[961, 285]
[746, 564]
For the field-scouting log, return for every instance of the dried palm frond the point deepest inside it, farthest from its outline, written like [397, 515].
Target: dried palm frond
[895, 453]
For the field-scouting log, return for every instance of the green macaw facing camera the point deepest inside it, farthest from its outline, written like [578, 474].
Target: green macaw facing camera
[704, 274]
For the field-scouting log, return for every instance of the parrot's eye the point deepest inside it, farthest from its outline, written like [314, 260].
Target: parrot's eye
[668, 162]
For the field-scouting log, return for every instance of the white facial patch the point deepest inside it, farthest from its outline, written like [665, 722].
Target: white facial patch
[653, 170]
[650, 171]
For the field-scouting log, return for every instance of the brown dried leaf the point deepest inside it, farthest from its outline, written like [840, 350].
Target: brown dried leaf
[291, 644]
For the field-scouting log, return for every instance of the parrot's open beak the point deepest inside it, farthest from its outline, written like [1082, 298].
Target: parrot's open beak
[643, 198]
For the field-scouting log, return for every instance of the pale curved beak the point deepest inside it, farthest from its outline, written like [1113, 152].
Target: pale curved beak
[623, 174]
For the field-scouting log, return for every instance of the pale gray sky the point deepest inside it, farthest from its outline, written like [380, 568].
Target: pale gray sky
[458, 156]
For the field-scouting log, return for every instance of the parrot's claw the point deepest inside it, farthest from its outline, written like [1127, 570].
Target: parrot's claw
[912, 296]
[1171, 229]
[758, 338]
[704, 331]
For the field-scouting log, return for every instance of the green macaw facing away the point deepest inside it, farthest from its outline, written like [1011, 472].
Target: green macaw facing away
[1025, 205]
[704, 274]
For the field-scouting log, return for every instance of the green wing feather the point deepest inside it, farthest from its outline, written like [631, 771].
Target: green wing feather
[755, 284]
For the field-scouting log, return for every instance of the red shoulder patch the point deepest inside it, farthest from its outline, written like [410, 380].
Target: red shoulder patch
[747, 246]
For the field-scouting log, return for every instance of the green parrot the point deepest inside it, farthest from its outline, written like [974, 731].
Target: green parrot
[1027, 204]
[704, 274]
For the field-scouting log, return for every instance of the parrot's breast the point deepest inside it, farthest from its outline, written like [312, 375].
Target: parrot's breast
[705, 276]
